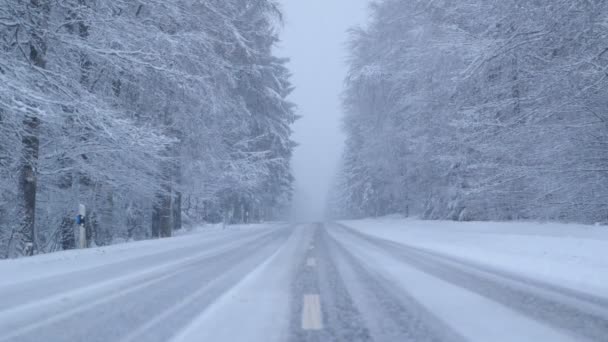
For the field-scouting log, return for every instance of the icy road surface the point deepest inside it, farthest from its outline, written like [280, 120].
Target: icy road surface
[356, 281]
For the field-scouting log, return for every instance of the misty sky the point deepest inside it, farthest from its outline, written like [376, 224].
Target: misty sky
[314, 37]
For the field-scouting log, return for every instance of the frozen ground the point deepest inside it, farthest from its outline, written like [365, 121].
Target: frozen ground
[571, 255]
[371, 280]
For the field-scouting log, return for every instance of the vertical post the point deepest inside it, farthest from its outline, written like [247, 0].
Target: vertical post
[82, 212]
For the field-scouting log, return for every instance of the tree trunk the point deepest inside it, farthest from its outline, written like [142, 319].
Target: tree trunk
[31, 145]
[162, 216]
[177, 211]
[156, 221]
[107, 219]
[162, 213]
[68, 239]
[166, 219]
[28, 183]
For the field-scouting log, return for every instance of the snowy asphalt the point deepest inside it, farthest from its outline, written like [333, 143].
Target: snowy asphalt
[314, 282]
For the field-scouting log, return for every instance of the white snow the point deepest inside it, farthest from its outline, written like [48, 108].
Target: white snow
[571, 255]
[46, 265]
[247, 293]
[43, 301]
[259, 303]
[461, 309]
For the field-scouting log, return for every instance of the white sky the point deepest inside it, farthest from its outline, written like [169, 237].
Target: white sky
[314, 37]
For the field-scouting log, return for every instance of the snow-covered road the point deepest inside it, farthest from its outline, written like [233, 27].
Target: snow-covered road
[353, 281]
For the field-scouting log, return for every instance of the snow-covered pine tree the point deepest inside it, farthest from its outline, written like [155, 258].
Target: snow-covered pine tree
[138, 107]
[477, 110]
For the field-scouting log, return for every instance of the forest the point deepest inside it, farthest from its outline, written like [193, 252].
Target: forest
[477, 110]
[154, 114]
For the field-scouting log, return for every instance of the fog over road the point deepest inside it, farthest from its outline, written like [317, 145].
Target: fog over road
[280, 282]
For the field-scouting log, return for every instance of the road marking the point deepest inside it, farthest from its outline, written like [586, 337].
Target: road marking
[311, 262]
[312, 318]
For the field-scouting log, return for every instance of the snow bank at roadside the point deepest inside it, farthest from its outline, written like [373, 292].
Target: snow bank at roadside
[570, 255]
[43, 265]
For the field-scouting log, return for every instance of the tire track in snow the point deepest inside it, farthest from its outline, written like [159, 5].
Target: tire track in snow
[340, 319]
[577, 314]
[391, 314]
[18, 321]
[30, 292]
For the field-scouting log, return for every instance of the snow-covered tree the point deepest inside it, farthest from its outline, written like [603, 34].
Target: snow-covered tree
[478, 110]
[131, 108]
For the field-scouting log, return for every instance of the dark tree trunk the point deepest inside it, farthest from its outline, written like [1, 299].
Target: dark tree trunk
[162, 215]
[156, 221]
[177, 211]
[91, 227]
[166, 219]
[68, 239]
[28, 171]
[107, 219]
[28, 182]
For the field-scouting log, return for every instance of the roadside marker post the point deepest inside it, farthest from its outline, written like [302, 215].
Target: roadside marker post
[80, 220]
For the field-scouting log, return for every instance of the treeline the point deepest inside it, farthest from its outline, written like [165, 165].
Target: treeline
[478, 110]
[149, 112]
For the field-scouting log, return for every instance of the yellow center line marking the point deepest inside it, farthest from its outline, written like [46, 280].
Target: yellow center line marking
[312, 318]
[311, 262]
